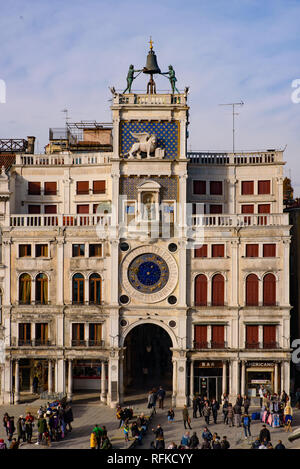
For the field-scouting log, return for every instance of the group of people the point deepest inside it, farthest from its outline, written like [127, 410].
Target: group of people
[263, 441]
[276, 410]
[53, 422]
[99, 438]
[137, 427]
[156, 395]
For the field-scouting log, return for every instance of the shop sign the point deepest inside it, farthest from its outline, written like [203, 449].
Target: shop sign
[260, 381]
[262, 364]
[217, 364]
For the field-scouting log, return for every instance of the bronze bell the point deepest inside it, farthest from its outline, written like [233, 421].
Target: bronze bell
[151, 64]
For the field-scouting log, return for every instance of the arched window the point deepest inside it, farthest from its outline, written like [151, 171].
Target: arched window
[78, 289]
[269, 290]
[25, 289]
[41, 289]
[201, 290]
[95, 289]
[217, 290]
[252, 290]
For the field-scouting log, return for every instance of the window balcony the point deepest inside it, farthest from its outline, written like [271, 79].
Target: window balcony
[210, 345]
[31, 343]
[88, 343]
[262, 346]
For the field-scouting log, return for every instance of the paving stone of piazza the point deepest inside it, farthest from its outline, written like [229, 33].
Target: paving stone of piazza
[88, 411]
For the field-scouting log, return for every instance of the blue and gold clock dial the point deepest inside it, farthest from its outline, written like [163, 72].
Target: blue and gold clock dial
[148, 273]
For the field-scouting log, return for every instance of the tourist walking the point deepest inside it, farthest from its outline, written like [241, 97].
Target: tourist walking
[186, 417]
[206, 412]
[161, 394]
[171, 415]
[246, 404]
[214, 408]
[230, 415]
[246, 424]
[237, 409]
[5, 422]
[225, 412]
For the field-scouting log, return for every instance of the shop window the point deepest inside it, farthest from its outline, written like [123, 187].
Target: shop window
[25, 289]
[269, 290]
[201, 290]
[200, 336]
[98, 187]
[24, 250]
[269, 250]
[251, 250]
[201, 251]
[264, 187]
[199, 187]
[50, 188]
[252, 336]
[217, 336]
[217, 250]
[216, 188]
[252, 290]
[95, 283]
[78, 334]
[24, 334]
[78, 289]
[82, 187]
[95, 334]
[217, 288]
[78, 250]
[41, 289]
[34, 188]
[247, 187]
[41, 250]
[95, 250]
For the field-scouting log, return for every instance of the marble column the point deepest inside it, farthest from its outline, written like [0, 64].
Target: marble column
[243, 376]
[121, 380]
[50, 381]
[174, 390]
[103, 383]
[70, 380]
[224, 378]
[17, 382]
[276, 378]
[191, 381]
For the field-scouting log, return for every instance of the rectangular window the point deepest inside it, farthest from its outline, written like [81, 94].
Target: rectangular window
[95, 334]
[24, 250]
[83, 209]
[200, 337]
[24, 334]
[264, 187]
[41, 250]
[215, 209]
[217, 250]
[98, 187]
[269, 334]
[78, 334]
[247, 208]
[217, 335]
[269, 250]
[82, 187]
[34, 188]
[95, 206]
[199, 187]
[216, 188]
[34, 209]
[201, 251]
[41, 333]
[95, 250]
[77, 250]
[50, 188]
[251, 250]
[247, 187]
[252, 337]
[48, 209]
[264, 208]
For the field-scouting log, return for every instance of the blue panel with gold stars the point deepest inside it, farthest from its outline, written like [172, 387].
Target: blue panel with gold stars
[167, 134]
[148, 273]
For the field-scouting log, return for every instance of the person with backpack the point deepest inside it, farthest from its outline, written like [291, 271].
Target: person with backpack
[214, 408]
[246, 424]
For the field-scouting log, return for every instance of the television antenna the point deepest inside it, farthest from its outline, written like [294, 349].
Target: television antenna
[233, 120]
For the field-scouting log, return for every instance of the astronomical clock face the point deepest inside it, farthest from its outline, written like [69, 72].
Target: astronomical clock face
[148, 273]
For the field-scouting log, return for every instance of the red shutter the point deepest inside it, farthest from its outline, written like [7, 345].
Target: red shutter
[202, 251]
[269, 290]
[218, 290]
[247, 208]
[201, 290]
[251, 250]
[269, 336]
[247, 187]
[217, 335]
[34, 188]
[264, 208]
[252, 290]
[216, 188]
[50, 209]
[264, 187]
[269, 250]
[50, 188]
[98, 187]
[200, 336]
[251, 336]
[199, 187]
[217, 250]
[215, 209]
[34, 209]
[82, 209]
[82, 187]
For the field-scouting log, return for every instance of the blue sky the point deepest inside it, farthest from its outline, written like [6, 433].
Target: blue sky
[65, 54]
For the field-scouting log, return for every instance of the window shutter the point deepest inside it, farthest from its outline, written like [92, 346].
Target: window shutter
[50, 209]
[82, 209]
[50, 188]
[247, 208]
[201, 290]
[247, 187]
[34, 209]
[34, 188]
[98, 187]
[251, 250]
[215, 209]
[252, 290]
[269, 250]
[264, 187]
[269, 290]
[252, 336]
[218, 290]
[200, 336]
[217, 250]
[216, 188]
[269, 335]
[199, 187]
[82, 187]
[217, 335]
[202, 251]
[264, 208]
